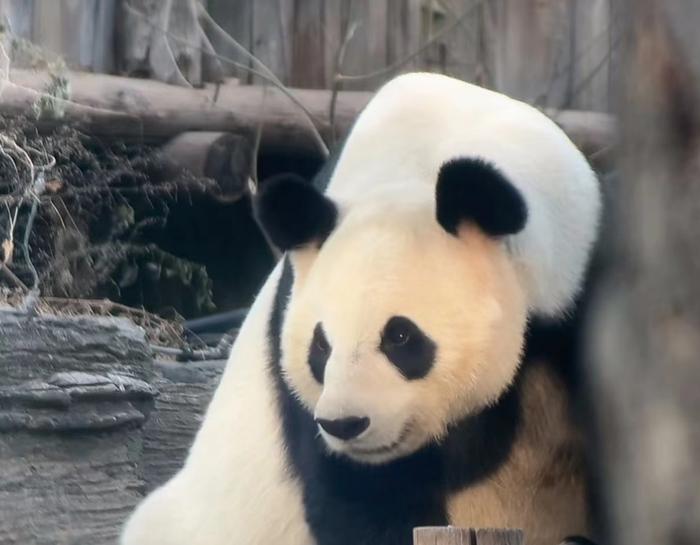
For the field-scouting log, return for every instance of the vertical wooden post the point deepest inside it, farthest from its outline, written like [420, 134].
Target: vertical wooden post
[644, 346]
[449, 535]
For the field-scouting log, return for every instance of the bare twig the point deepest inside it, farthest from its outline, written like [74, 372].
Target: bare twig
[260, 66]
[567, 67]
[12, 277]
[256, 149]
[36, 190]
[4, 68]
[408, 58]
[265, 73]
[163, 189]
[162, 42]
[595, 70]
[262, 72]
[6, 83]
[337, 84]
[209, 51]
[32, 190]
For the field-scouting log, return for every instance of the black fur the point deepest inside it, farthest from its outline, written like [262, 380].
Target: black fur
[407, 347]
[350, 504]
[318, 353]
[475, 190]
[294, 213]
[577, 540]
[344, 428]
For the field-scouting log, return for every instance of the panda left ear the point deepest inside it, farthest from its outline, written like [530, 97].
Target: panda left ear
[475, 190]
[293, 213]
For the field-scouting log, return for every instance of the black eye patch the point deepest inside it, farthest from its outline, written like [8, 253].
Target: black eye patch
[318, 353]
[407, 347]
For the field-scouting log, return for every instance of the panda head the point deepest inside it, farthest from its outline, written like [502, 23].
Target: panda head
[405, 315]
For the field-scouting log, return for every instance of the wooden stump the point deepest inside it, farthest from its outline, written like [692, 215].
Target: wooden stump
[449, 535]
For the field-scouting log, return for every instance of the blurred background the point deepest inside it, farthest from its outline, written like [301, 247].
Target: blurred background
[555, 54]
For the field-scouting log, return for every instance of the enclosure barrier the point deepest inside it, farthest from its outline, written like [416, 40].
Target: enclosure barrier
[449, 535]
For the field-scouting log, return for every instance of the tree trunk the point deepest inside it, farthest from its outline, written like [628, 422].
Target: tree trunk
[645, 345]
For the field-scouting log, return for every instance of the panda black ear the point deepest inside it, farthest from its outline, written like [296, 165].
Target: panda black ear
[293, 213]
[475, 190]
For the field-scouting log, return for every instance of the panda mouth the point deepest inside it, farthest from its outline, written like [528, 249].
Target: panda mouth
[384, 449]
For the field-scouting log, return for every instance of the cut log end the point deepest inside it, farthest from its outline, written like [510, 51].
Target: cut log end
[449, 535]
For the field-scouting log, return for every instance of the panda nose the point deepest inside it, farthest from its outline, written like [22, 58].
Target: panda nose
[344, 428]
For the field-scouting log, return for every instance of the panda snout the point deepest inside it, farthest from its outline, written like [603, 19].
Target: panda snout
[344, 428]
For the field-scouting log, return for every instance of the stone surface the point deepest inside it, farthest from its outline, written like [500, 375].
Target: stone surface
[88, 425]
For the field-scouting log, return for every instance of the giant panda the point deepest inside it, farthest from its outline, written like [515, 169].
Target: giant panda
[379, 383]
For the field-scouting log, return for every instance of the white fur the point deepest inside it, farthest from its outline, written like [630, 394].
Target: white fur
[388, 256]
[393, 259]
[416, 122]
[234, 487]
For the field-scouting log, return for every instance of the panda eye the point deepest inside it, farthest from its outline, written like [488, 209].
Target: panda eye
[319, 351]
[321, 343]
[407, 347]
[397, 333]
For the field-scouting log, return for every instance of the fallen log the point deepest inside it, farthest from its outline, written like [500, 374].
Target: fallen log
[226, 158]
[151, 111]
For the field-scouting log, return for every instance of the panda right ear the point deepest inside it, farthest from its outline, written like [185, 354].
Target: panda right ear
[474, 190]
[293, 213]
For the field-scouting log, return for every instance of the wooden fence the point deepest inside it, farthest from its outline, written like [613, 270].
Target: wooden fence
[558, 53]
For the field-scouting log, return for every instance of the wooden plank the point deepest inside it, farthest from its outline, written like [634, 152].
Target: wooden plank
[443, 536]
[308, 45]
[461, 44]
[531, 49]
[403, 30]
[48, 25]
[367, 51]
[490, 536]
[182, 22]
[449, 535]
[161, 40]
[333, 33]
[236, 18]
[272, 34]
[79, 31]
[594, 37]
[19, 15]
[103, 53]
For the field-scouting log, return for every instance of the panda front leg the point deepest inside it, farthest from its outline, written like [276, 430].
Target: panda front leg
[235, 487]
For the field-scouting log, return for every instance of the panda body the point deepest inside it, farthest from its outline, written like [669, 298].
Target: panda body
[488, 442]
